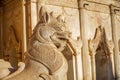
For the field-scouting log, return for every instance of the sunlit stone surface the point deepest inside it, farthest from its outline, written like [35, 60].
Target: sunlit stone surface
[91, 51]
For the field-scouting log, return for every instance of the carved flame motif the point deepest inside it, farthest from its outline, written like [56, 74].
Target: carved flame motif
[100, 51]
[99, 43]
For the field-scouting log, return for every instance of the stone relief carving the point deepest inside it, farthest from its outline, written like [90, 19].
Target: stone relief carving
[44, 59]
[100, 37]
[12, 47]
[100, 50]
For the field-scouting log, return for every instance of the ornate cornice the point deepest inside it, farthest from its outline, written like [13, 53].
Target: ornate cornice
[95, 7]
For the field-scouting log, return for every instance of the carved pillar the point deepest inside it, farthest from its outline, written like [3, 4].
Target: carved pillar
[85, 54]
[24, 32]
[115, 13]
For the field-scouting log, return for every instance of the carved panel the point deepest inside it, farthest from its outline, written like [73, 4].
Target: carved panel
[95, 19]
[12, 47]
[13, 15]
[92, 16]
[101, 51]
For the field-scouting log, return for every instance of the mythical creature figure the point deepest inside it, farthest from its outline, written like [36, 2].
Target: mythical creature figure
[44, 58]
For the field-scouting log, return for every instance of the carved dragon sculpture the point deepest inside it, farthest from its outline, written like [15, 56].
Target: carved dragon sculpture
[44, 58]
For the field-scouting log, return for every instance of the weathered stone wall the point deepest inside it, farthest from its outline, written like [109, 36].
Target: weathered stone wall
[96, 13]
[83, 17]
[92, 16]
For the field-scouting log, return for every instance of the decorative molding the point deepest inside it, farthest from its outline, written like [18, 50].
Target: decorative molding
[100, 50]
[95, 7]
[115, 10]
[100, 40]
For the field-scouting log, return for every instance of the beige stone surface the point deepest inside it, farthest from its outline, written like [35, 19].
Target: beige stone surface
[82, 22]
[91, 18]
[34, 15]
[65, 3]
[4, 71]
[71, 18]
[72, 21]
[13, 16]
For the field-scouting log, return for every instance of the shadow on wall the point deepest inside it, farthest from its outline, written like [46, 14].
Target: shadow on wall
[104, 70]
[68, 55]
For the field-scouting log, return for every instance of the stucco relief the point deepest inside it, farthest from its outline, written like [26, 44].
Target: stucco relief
[91, 18]
[44, 59]
[72, 18]
[73, 23]
[12, 47]
[100, 51]
[13, 16]
[96, 16]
